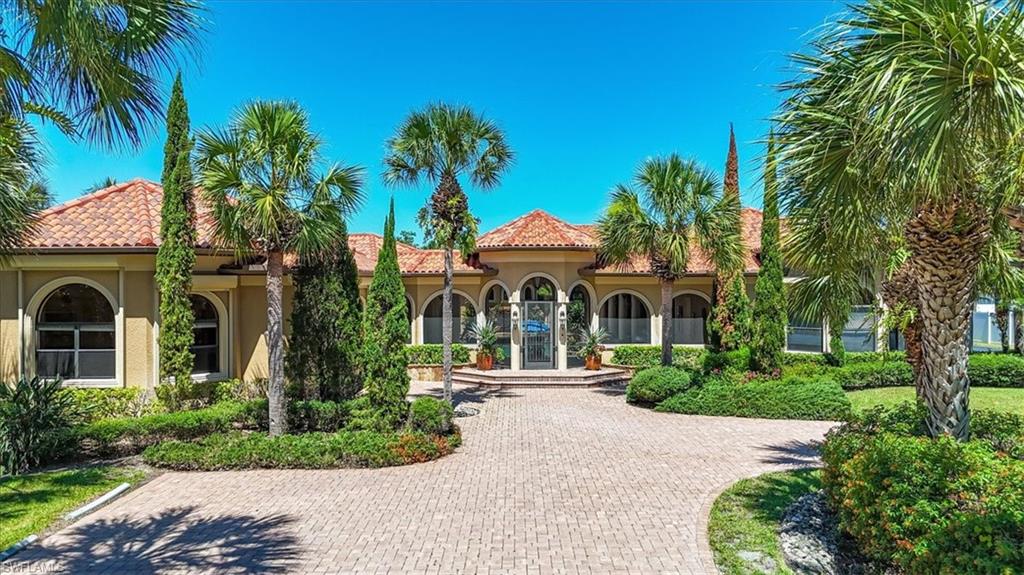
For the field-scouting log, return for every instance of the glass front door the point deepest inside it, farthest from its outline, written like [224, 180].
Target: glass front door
[538, 331]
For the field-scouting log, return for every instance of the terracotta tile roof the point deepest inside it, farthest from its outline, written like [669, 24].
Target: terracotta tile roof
[125, 215]
[699, 263]
[537, 229]
[411, 260]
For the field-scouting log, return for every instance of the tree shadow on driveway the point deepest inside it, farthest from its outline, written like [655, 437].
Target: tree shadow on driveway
[798, 453]
[174, 540]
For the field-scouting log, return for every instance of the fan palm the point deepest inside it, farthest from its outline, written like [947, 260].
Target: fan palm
[677, 204]
[261, 178]
[441, 144]
[900, 126]
[93, 68]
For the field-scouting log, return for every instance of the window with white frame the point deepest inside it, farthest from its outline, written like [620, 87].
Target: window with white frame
[75, 336]
[205, 336]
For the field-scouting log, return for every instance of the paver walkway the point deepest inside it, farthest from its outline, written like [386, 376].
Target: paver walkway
[547, 481]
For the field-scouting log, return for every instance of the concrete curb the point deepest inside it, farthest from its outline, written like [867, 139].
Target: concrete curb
[10, 551]
[108, 496]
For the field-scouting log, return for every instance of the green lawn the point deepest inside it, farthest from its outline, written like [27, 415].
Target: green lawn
[996, 399]
[746, 518]
[30, 503]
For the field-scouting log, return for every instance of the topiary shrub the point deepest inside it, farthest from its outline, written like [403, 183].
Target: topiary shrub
[431, 416]
[431, 354]
[656, 384]
[996, 370]
[787, 398]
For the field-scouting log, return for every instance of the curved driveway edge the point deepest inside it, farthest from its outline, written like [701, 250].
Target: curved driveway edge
[547, 481]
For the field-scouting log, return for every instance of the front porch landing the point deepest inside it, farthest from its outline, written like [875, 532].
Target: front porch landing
[572, 377]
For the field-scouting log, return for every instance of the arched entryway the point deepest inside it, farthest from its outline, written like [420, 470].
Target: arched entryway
[539, 296]
[577, 312]
[463, 316]
[690, 313]
[497, 311]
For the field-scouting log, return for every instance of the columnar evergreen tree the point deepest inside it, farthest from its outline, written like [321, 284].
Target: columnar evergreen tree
[768, 338]
[729, 324]
[176, 256]
[325, 354]
[385, 330]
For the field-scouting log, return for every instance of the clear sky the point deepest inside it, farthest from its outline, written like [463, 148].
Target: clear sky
[584, 91]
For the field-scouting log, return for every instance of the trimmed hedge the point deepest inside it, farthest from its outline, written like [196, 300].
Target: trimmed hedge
[788, 398]
[795, 358]
[432, 353]
[430, 415]
[996, 370]
[644, 356]
[236, 450]
[867, 370]
[868, 375]
[656, 384]
[929, 505]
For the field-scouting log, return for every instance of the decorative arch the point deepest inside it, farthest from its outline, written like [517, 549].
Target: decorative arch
[559, 294]
[482, 300]
[32, 311]
[695, 292]
[608, 296]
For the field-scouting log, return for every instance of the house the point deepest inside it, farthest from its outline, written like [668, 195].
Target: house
[80, 300]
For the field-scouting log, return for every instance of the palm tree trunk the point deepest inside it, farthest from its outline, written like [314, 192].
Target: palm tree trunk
[275, 343]
[944, 242]
[666, 321]
[1003, 321]
[446, 325]
[900, 291]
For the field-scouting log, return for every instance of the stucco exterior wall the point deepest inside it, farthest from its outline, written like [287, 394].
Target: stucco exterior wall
[9, 361]
[140, 310]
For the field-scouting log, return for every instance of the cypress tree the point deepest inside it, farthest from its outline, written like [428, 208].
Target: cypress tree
[327, 331]
[385, 330]
[769, 328]
[729, 324]
[176, 256]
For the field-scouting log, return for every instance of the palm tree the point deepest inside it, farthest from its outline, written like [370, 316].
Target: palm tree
[440, 144]
[678, 204]
[92, 68]
[260, 177]
[901, 126]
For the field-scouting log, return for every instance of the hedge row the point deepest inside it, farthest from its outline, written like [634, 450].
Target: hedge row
[432, 354]
[644, 356]
[787, 398]
[236, 450]
[930, 505]
[985, 370]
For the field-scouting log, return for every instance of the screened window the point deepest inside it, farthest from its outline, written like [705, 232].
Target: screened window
[859, 332]
[463, 316]
[497, 310]
[205, 336]
[626, 319]
[803, 335]
[75, 335]
[578, 321]
[689, 319]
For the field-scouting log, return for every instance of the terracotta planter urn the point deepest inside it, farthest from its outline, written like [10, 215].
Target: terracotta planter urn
[484, 362]
[593, 362]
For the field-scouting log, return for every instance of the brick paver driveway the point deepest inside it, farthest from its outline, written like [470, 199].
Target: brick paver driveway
[547, 481]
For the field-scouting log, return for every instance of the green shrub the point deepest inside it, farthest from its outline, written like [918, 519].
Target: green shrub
[931, 505]
[91, 404]
[236, 450]
[787, 398]
[644, 356]
[312, 415]
[865, 375]
[431, 416]
[737, 360]
[128, 436]
[1003, 431]
[431, 354]
[794, 358]
[656, 384]
[34, 416]
[996, 370]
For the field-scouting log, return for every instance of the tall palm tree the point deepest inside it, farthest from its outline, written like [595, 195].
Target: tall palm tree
[440, 144]
[901, 124]
[677, 204]
[93, 68]
[261, 177]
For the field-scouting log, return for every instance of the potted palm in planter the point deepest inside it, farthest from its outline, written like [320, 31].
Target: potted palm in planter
[591, 346]
[487, 349]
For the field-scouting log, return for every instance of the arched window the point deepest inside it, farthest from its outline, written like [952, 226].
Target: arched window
[497, 310]
[463, 315]
[626, 319]
[205, 336]
[75, 334]
[577, 313]
[689, 319]
[539, 288]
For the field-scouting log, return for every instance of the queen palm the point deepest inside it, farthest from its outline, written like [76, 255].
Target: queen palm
[901, 126]
[260, 175]
[93, 68]
[441, 144]
[673, 205]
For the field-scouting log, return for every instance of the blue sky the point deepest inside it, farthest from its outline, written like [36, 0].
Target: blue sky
[584, 92]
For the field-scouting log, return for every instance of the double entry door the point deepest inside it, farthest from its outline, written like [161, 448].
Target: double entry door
[538, 331]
